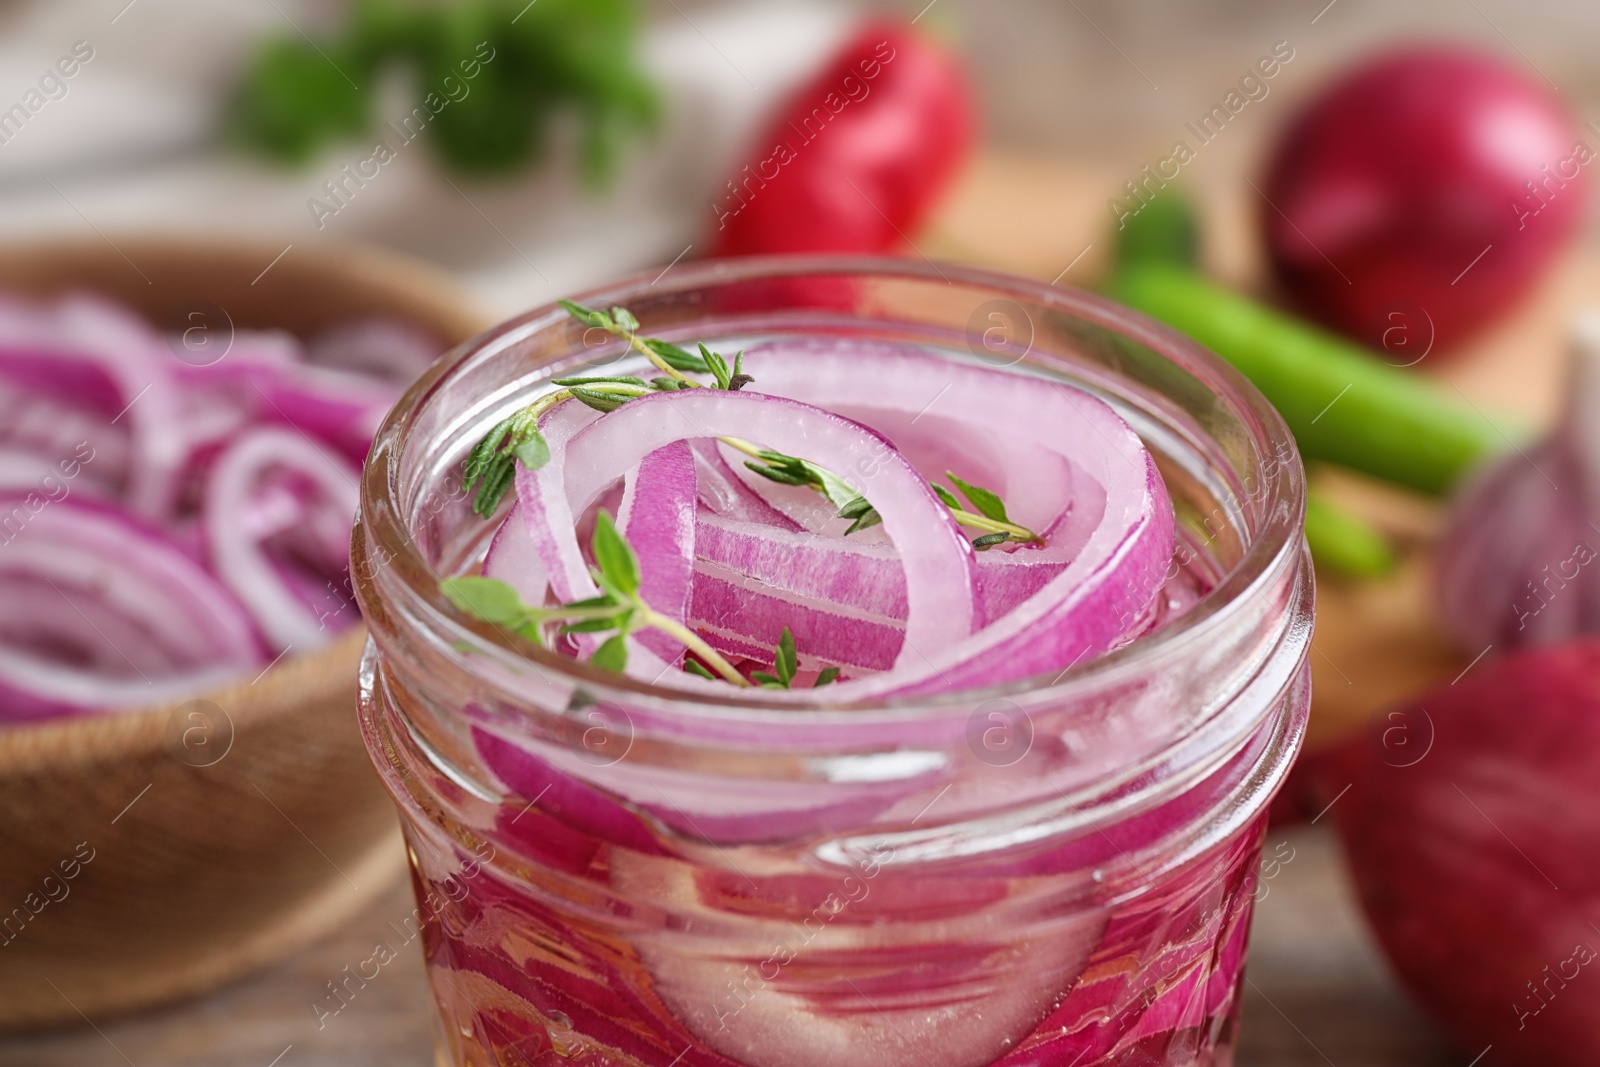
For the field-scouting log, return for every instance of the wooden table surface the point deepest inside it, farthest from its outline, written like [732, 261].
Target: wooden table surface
[1316, 994]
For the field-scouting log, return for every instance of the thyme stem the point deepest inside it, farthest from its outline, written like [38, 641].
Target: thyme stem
[693, 642]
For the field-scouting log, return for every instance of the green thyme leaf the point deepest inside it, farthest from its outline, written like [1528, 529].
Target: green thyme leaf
[777, 474]
[534, 452]
[836, 489]
[613, 556]
[601, 402]
[590, 626]
[612, 655]
[767, 681]
[947, 496]
[640, 382]
[990, 540]
[718, 367]
[588, 316]
[826, 677]
[988, 503]
[675, 357]
[694, 666]
[491, 464]
[867, 518]
[855, 509]
[487, 599]
[601, 601]
[482, 454]
[624, 319]
[786, 660]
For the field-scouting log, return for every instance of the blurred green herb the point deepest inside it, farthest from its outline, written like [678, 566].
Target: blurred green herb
[488, 77]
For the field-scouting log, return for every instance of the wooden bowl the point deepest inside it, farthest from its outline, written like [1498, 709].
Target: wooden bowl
[152, 854]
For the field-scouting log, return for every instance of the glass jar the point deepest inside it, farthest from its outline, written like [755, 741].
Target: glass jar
[1052, 872]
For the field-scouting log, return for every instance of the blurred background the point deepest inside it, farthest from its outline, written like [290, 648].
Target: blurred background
[1093, 88]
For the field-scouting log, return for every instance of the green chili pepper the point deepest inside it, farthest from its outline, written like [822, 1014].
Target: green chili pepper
[1344, 405]
[1343, 543]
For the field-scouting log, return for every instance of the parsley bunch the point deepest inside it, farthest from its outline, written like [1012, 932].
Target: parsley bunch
[549, 56]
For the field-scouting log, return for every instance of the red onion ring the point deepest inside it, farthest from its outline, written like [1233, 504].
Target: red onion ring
[938, 560]
[1105, 589]
[116, 575]
[657, 516]
[315, 496]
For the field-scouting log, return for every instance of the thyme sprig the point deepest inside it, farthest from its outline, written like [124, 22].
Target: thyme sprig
[491, 465]
[989, 516]
[620, 610]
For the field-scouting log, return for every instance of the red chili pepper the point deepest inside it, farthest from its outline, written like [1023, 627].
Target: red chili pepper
[858, 157]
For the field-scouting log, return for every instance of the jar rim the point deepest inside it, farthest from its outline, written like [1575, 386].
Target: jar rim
[1271, 550]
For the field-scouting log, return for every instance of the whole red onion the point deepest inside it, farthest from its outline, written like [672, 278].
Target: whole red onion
[1515, 564]
[1421, 196]
[1472, 827]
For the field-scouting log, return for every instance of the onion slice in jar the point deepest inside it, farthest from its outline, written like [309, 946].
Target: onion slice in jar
[725, 493]
[657, 517]
[546, 514]
[937, 558]
[514, 559]
[139, 622]
[837, 989]
[1106, 588]
[275, 500]
[844, 597]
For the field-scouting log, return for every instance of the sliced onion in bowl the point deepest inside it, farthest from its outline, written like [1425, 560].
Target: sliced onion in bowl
[114, 577]
[276, 501]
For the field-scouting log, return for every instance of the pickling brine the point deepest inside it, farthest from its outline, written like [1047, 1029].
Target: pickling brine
[808, 679]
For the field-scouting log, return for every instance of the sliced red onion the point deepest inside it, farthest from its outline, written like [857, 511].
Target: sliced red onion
[45, 444]
[1106, 588]
[726, 494]
[106, 362]
[739, 619]
[938, 560]
[657, 517]
[1042, 488]
[130, 619]
[892, 1009]
[866, 577]
[383, 349]
[95, 405]
[268, 483]
[512, 558]
[842, 598]
[264, 379]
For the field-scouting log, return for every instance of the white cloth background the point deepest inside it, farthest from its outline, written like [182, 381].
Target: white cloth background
[129, 147]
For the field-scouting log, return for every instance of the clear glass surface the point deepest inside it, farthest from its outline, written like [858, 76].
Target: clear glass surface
[1055, 872]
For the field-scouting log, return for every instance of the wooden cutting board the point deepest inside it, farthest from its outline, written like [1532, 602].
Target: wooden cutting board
[1377, 642]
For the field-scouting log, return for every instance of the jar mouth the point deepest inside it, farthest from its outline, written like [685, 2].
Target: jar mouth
[1270, 558]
